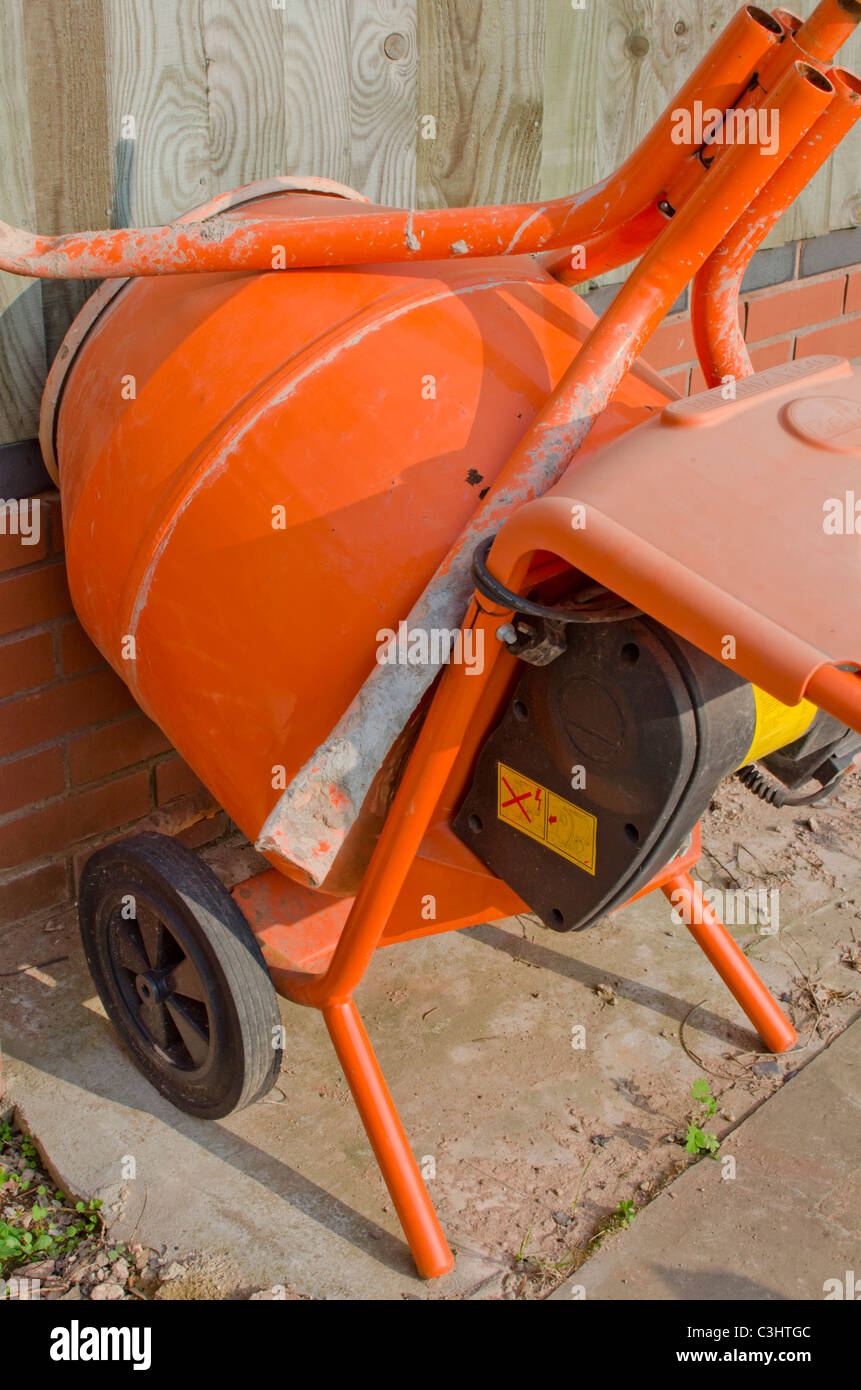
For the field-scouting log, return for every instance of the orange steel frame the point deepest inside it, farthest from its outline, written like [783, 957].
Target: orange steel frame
[687, 214]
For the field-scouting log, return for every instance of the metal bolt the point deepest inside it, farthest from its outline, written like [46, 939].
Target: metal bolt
[506, 634]
[395, 47]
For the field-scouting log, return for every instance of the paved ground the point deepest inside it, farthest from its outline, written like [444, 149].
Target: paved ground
[529, 1143]
[780, 1222]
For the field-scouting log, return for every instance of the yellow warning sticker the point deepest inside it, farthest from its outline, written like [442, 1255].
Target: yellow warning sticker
[545, 816]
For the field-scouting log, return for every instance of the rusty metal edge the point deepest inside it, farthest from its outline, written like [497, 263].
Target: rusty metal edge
[108, 291]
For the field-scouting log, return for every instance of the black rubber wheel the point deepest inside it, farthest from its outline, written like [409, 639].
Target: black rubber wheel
[180, 974]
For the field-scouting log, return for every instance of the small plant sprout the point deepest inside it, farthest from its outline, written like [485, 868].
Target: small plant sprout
[698, 1140]
[625, 1212]
[35, 1220]
[525, 1244]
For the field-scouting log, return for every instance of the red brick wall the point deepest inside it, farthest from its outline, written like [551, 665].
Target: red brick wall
[79, 763]
[794, 318]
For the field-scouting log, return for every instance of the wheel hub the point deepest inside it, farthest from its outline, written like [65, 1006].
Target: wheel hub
[152, 987]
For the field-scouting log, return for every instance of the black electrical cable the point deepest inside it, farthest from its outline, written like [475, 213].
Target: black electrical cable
[770, 791]
[490, 588]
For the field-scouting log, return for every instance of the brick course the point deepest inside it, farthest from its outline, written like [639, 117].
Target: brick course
[80, 764]
[806, 314]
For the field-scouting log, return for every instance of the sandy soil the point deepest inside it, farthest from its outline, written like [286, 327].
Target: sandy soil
[621, 1139]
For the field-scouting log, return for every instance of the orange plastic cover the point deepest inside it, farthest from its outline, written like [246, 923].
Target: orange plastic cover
[736, 522]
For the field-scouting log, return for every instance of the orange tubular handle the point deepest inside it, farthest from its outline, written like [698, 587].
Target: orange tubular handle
[816, 39]
[737, 175]
[731, 964]
[828, 28]
[714, 303]
[391, 235]
[775, 63]
[790, 21]
[720, 81]
[611, 249]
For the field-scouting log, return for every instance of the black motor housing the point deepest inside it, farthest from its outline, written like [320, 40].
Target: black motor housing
[602, 764]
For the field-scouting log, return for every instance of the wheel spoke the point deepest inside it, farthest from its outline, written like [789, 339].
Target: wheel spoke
[184, 979]
[129, 947]
[155, 1021]
[153, 934]
[193, 1034]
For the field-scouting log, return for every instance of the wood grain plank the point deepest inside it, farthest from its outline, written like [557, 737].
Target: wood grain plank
[157, 76]
[317, 81]
[383, 100]
[575, 136]
[67, 101]
[481, 75]
[842, 197]
[244, 47]
[610, 71]
[66, 82]
[22, 332]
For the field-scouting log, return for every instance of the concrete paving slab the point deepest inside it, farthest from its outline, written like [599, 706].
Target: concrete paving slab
[781, 1220]
[239, 1186]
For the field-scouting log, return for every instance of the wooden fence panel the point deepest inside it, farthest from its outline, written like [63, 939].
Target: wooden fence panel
[481, 78]
[159, 111]
[244, 47]
[68, 117]
[383, 100]
[316, 59]
[131, 112]
[22, 332]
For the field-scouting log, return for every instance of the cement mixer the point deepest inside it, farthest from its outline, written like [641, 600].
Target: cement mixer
[446, 597]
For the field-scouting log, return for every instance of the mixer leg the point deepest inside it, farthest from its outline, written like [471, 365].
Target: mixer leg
[731, 963]
[388, 1140]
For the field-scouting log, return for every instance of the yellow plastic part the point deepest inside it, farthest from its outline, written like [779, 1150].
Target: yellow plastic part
[777, 724]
